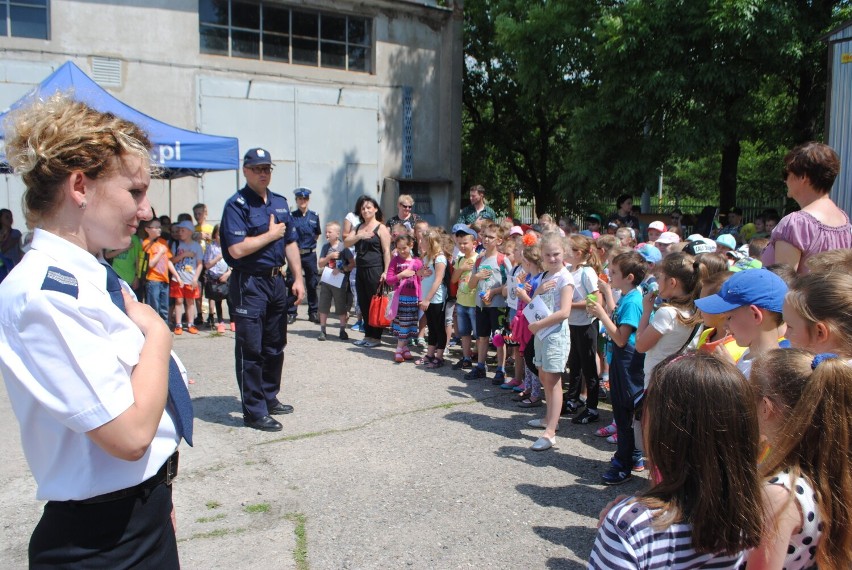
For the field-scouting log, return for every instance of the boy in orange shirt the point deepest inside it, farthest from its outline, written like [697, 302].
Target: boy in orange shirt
[159, 267]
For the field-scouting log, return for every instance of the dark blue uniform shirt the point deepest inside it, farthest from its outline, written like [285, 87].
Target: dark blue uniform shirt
[246, 215]
[307, 227]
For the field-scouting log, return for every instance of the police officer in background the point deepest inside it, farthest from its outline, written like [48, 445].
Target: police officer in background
[257, 233]
[307, 225]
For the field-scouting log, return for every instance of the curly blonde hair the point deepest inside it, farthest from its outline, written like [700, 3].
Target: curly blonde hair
[49, 139]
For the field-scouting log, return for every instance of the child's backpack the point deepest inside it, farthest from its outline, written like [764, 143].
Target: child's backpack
[501, 261]
[452, 288]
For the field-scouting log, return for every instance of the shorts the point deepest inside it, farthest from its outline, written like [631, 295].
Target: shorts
[342, 297]
[489, 320]
[183, 291]
[551, 353]
[467, 320]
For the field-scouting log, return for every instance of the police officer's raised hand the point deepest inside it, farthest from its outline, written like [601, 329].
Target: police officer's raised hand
[145, 317]
[276, 230]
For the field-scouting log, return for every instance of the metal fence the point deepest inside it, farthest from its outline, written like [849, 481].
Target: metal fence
[523, 208]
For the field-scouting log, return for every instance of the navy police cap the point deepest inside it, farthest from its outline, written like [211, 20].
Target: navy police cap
[257, 157]
[302, 192]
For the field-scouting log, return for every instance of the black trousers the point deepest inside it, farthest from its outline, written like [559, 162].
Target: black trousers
[260, 314]
[311, 272]
[366, 282]
[581, 358]
[435, 323]
[134, 532]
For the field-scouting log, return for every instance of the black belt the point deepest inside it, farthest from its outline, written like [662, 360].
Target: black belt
[269, 272]
[165, 475]
[307, 250]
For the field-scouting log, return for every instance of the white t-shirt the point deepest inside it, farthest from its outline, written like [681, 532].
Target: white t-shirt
[675, 334]
[745, 362]
[553, 298]
[512, 288]
[585, 282]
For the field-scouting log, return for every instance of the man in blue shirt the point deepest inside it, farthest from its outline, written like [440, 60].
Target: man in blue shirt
[257, 234]
[307, 224]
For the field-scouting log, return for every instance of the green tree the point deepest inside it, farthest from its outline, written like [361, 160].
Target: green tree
[525, 72]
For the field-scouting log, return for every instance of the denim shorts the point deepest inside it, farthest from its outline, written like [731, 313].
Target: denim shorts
[467, 320]
[551, 353]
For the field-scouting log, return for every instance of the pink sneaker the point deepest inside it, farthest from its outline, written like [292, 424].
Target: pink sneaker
[606, 431]
[613, 439]
[220, 328]
[233, 327]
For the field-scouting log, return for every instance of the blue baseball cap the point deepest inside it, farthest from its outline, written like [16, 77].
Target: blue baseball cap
[257, 157]
[302, 192]
[184, 225]
[758, 287]
[464, 228]
[650, 253]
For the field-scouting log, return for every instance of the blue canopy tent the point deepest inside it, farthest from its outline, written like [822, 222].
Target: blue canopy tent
[178, 151]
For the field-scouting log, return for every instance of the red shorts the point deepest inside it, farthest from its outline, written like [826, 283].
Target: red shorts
[183, 291]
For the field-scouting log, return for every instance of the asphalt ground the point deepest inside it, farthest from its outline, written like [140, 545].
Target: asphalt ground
[382, 465]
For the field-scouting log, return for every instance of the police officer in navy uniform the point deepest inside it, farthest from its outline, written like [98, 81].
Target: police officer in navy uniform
[307, 224]
[258, 234]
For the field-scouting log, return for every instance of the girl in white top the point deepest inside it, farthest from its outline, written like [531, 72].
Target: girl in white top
[703, 509]
[582, 256]
[556, 289]
[805, 414]
[433, 296]
[87, 380]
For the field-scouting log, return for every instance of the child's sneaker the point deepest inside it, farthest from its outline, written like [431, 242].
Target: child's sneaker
[613, 439]
[499, 378]
[220, 328]
[178, 330]
[606, 431]
[477, 373]
[192, 329]
[358, 326]
[343, 335]
[513, 383]
[463, 364]
[571, 406]
[587, 416]
[233, 326]
[616, 474]
[639, 465]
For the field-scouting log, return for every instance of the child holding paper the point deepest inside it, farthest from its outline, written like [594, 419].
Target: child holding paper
[335, 259]
[552, 341]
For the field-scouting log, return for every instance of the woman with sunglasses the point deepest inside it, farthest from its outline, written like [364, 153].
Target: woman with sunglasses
[406, 215]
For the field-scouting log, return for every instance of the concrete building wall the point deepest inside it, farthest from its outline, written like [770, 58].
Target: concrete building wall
[340, 132]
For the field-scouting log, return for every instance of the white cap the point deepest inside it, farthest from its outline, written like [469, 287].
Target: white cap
[657, 225]
[668, 237]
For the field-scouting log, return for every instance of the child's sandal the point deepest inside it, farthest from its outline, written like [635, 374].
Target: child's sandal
[406, 354]
[435, 363]
[398, 355]
[425, 359]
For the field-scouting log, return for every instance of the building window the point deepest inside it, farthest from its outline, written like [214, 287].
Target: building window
[26, 18]
[271, 32]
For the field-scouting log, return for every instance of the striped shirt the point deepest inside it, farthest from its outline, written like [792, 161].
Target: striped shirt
[627, 540]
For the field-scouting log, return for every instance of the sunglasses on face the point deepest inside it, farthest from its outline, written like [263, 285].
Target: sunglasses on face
[406, 206]
[261, 169]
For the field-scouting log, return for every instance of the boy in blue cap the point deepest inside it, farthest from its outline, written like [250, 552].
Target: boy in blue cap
[752, 301]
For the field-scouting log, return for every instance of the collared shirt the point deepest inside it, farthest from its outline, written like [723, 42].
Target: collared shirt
[247, 215]
[469, 214]
[66, 354]
[307, 228]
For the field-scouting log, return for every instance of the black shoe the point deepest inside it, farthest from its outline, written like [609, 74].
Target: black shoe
[266, 423]
[463, 364]
[321, 336]
[499, 378]
[586, 417]
[291, 319]
[313, 318]
[281, 409]
[570, 407]
[343, 335]
[476, 374]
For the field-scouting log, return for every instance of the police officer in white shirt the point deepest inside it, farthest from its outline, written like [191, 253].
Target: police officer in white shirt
[101, 404]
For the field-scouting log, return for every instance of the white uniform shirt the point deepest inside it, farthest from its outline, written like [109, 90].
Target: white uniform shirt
[66, 355]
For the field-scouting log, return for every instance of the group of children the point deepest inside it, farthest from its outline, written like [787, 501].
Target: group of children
[734, 386]
[178, 273]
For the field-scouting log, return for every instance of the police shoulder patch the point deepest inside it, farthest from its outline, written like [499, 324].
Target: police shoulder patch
[60, 280]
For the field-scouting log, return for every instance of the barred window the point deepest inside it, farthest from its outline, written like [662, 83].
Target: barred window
[271, 32]
[26, 18]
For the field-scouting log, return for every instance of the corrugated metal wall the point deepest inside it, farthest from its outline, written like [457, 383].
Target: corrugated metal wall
[840, 114]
